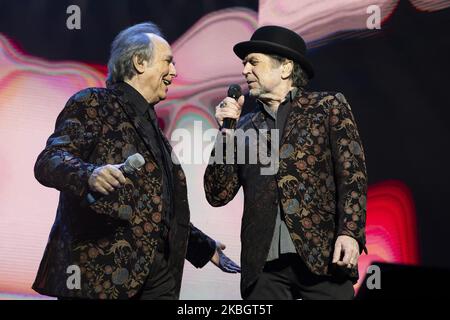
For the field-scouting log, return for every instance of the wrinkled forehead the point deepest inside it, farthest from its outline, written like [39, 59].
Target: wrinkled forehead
[160, 45]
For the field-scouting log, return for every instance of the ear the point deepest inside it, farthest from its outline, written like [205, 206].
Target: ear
[287, 68]
[139, 64]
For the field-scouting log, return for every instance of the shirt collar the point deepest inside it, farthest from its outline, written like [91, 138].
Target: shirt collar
[133, 96]
[288, 99]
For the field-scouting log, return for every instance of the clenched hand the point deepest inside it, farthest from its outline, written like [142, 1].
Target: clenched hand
[106, 178]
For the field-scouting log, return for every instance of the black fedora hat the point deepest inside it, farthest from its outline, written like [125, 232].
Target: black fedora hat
[276, 40]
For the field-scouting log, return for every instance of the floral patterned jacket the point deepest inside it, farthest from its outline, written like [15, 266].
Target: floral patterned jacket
[111, 244]
[321, 183]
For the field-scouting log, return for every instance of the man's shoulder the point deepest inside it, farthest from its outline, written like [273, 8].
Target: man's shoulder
[90, 95]
[318, 95]
[321, 100]
[90, 101]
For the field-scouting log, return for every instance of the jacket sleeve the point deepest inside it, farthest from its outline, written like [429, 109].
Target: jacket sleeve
[350, 171]
[200, 248]
[221, 180]
[62, 164]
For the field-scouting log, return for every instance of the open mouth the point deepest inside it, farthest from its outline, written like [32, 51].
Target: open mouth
[167, 82]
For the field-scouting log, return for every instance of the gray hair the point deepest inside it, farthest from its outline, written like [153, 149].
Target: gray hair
[130, 42]
[298, 76]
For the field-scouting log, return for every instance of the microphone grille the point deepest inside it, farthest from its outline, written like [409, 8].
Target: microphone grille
[234, 91]
[136, 161]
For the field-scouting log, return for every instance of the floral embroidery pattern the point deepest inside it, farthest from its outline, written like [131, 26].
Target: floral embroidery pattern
[321, 183]
[114, 240]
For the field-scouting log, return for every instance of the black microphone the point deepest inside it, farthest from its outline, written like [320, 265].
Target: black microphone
[132, 164]
[234, 91]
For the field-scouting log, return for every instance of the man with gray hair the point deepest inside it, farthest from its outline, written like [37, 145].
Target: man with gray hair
[303, 227]
[120, 233]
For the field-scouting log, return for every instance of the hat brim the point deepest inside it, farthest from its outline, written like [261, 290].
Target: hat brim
[242, 49]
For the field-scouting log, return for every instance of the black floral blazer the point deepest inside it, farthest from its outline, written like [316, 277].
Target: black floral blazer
[113, 241]
[321, 182]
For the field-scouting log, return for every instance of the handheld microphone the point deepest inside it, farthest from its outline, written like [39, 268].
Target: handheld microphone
[234, 91]
[132, 164]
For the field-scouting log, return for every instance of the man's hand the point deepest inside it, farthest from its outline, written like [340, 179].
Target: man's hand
[105, 179]
[346, 252]
[229, 108]
[222, 261]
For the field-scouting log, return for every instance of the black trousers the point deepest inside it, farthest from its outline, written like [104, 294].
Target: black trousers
[160, 283]
[288, 278]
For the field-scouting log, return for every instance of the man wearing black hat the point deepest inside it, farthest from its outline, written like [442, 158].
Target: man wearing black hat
[303, 227]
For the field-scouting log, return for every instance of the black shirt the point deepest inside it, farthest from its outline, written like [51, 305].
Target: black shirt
[277, 120]
[148, 117]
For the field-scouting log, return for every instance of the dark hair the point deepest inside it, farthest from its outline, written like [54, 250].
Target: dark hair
[130, 42]
[299, 77]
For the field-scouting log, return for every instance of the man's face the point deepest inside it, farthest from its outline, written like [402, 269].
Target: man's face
[262, 73]
[160, 71]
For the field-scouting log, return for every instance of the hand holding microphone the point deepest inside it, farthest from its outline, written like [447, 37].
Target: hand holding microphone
[229, 110]
[106, 178]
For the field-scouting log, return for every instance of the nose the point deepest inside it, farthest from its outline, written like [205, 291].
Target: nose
[246, 69]
[172, 70]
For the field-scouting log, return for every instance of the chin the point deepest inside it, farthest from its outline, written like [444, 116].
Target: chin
[162, 95]
[254, 93]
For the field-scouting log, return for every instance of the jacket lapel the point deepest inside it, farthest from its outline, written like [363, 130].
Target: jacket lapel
[130, 111]
[296, 119]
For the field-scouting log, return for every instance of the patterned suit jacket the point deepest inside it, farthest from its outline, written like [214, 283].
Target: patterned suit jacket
[113, 241]
[321, 182]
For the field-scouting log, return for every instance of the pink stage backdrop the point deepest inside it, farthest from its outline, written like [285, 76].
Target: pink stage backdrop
[33, 92]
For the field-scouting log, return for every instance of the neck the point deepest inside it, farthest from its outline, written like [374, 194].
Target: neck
[135, 83]
[275, 98]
